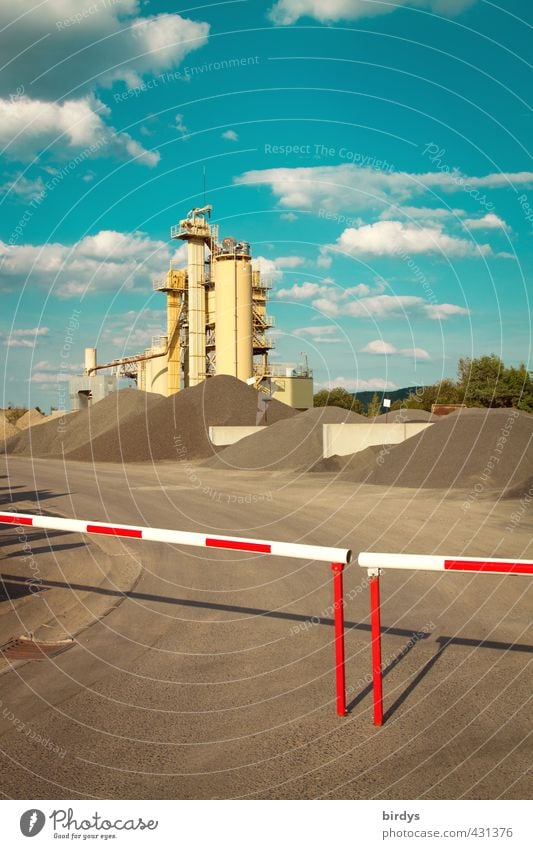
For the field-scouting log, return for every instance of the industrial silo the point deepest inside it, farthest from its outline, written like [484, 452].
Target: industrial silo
[232, 274]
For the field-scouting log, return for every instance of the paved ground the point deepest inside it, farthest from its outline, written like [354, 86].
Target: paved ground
[201, 675]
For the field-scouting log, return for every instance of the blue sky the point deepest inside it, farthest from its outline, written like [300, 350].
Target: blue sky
[376, 158]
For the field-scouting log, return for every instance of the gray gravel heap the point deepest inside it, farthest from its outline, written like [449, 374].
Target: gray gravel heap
[295, 443]
[134, 426]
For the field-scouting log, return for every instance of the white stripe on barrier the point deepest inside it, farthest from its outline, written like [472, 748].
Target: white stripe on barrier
[278, 549]
[444, 563]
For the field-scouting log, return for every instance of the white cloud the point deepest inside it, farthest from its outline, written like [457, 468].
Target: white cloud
[268, 268]
[387, 306]
[355, 384]
[272, 269]
[48, 91]
[107, 261]
[290, 261]
[24, 187]
[327, 189]
[22, 337]
[303, 291]
[28, 126]
[288, 216]
[362, 301]
[440, 312]
[390, 238]
[327, 288]
[179, 125]
[423, 213]
[490, 221]
[286, 12]
[78, 46]
[230, 135]
[320, 333]
[380, 347]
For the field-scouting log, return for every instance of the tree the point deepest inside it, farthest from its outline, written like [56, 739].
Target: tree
[487, 382]
[374, 407]
[337, 397]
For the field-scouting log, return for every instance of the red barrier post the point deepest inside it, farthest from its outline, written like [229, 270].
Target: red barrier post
[375, 625]
[338, 607]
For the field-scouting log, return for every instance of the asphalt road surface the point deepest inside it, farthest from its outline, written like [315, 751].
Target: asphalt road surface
[210, 674]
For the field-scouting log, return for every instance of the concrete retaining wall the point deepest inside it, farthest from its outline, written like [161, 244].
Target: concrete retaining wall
[227, 435]
[345, 439]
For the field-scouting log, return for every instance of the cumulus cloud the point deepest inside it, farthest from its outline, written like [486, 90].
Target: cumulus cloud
[290, 261]
[286, 12]
[288, 216]
[58, 53]
[490, 221]
[392, 238]
[106, 261]
[327, 189]
[327, 289]
[23, 187]
[363, 302]
[75, 49]
[272, 269]
[390, 306]
[381, 347]
[320, 333]
[28, 127]
[421, 213]
[22, 337]
[230, 135]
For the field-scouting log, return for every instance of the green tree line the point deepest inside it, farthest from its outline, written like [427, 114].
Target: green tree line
[481, 382]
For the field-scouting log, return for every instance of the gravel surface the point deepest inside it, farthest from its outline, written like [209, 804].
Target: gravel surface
[292, 444]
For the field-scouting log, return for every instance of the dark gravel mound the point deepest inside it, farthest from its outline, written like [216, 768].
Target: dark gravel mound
[353, 467]
[177, 428]
[79, 430]
[486, 449]
[133, 426]
[295, 443]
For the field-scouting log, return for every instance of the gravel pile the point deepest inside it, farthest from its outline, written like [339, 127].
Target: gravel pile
[29, 418]
[295, 443]
[134, 426]
[7, 430]
[477, 449]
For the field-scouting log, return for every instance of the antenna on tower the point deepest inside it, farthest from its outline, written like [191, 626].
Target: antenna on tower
[204, 182]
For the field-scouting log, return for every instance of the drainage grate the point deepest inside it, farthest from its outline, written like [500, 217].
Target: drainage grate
[26, 648]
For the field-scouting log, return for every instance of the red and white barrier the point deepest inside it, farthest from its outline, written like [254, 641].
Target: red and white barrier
[338, 557]
[438, 563]
[374, 562]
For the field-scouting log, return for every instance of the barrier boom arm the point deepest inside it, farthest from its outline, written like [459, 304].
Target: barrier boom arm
[338, 557]
[439, 563]
[374, 562]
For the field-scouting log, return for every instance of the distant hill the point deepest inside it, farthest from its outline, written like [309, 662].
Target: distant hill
[394, 394]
